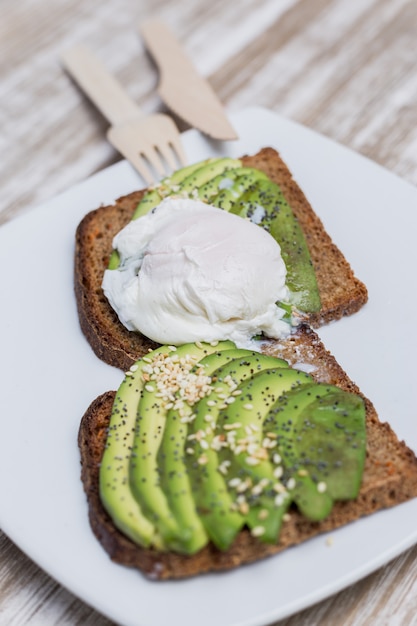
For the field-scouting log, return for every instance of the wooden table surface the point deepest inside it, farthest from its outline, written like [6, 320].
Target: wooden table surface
[346, 69]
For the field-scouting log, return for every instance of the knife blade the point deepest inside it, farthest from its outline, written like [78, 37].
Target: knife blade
[181, 87]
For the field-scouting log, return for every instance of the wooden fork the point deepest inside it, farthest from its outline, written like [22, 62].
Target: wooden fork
[151, 143]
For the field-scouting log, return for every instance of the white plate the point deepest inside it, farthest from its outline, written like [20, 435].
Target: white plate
[50, 375]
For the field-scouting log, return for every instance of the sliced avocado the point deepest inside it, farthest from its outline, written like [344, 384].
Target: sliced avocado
[247, 178]
[307, 425]
[331, 442]
[214, 503]
[143, 467]
[168, 186]
[115, 492]
[185, 181]
[174, 478]
[212, 187]
[206, 173]
[267, 206]
[250, 459]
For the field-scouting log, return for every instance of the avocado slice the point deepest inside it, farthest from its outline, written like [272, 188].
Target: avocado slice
[250, 460]
[331, 441]
[321, 435]
[115, 492]
[143, 467]
[246, 179]
[212, 187]
[174, 478]
[267, 207]
[168, 186]
[215, 505]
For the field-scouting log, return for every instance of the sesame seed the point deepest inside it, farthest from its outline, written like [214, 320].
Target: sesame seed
[242, 487]
[276, 459]
[244, 508]
[204, 444]
[278, 472]
[134, 367]
[291, 483]
[149, 388]
[216, 443]
[257, 531]
[223, 468]
[250, 460]
[286, 517]
[203, 460]
[252, 448]
[257, 490]
[321, 487]
[279, 499]
[189, 450]
[234, 482]
[302, 472]
[248, 407]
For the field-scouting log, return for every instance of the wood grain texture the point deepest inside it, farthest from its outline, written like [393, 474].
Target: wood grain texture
[346, 69]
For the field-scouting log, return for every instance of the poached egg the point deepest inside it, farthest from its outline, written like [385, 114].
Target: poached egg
[192, 272]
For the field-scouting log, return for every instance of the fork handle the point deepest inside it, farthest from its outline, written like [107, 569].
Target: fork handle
[100, 86]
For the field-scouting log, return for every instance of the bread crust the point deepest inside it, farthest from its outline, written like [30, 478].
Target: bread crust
[390, 477]
[340, 291]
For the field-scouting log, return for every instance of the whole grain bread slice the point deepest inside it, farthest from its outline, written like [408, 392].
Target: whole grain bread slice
[390, 477]
[341, 292]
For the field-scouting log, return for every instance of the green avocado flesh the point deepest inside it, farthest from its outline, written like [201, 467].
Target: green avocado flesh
[245, 191]
[205, 440]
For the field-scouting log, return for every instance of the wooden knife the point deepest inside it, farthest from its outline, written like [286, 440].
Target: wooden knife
[182, 89]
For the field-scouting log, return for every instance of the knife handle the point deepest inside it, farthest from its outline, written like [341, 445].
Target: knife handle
[181, 87]
[166, 51]
[100, 86]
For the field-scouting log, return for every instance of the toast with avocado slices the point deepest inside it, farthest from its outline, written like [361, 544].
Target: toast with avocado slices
[257, 452]
[259, 187]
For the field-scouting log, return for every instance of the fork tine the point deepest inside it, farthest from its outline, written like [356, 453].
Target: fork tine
[151, 155]
[167, 153]
[139, 163]
[116, 136]
[176, 144]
